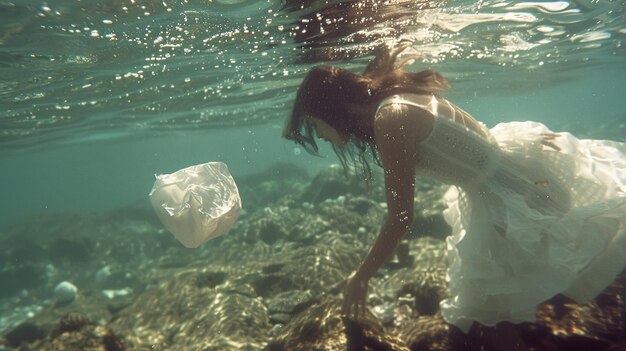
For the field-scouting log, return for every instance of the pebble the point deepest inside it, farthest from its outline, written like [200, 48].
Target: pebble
[65, 292]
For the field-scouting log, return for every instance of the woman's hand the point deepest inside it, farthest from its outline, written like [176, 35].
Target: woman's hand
[355, 296]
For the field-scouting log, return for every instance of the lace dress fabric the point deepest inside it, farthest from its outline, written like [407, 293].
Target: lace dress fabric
[533, 213]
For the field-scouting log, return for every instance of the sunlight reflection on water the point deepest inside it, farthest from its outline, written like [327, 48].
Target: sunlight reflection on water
[71, 68]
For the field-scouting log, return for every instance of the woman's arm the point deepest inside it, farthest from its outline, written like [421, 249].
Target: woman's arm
[397, 134]
[397, 131]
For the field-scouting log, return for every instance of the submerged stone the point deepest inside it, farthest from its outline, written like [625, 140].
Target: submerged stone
[322, 327]
[331, 183]
[65, 292]
[26, 332]
[289, 302]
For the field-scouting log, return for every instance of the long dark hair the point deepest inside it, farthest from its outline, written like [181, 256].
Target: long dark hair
[327, 91]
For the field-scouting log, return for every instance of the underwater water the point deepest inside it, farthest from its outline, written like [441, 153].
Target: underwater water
[99, 96]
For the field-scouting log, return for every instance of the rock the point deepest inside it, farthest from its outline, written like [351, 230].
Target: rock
[424, 282]
[401, 257]
[193, 316]
[264, 188]
[429, 206]
[103, 274]
[310, 268]
[65, 292]
[90, 337]
[26, 332]
[175, 261]
[331, 183]
[279, 318]
[39, 251]
[308, 229]
[343, 215]
[210, 279]
[73, 331]
[118, 300]
[15, 278]
[384, 312]
[115, 277]
[24, 252]
[321, 327]
[71, 322]
[269, 229]
[71, 249]
[289, 302]
[565, 325]
[425, 333]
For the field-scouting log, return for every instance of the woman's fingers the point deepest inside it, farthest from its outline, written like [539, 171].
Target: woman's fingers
[350, 308]
[363, 306]
[354, 306]
[354, 297]
[355, 309]
[345, 309]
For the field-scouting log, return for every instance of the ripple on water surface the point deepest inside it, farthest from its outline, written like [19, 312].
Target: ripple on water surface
[76, 68]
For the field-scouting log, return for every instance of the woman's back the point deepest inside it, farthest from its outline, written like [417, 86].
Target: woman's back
[459, 149]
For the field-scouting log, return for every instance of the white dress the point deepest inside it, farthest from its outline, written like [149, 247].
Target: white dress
[533, 213]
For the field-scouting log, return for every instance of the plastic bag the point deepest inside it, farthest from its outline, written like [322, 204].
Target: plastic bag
[197, 203]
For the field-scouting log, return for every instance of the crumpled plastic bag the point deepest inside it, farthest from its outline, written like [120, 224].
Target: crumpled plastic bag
[197, 203]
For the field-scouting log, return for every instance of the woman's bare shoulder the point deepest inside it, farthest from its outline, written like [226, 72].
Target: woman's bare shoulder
[398, 120]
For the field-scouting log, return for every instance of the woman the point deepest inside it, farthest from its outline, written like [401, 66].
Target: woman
[533, 213]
